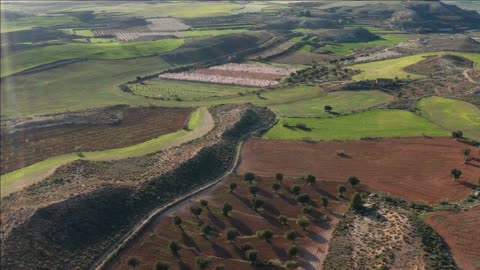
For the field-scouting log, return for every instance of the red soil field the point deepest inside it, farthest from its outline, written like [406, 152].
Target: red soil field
[461, 231]
[139, 124]
[411, 168]
[152, 245]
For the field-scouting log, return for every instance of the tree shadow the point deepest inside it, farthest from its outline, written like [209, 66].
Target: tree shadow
[271, 219]
[265, 193]
[271, 209]
[317, 238]
[324, 193]
[216, 221]
[281, 253]
[473, 165]
[220, 251]
[189, 242]
[240, 226]
[306, 265]
[468, 184]
[287, 199]
[183, 266]
[307, 255]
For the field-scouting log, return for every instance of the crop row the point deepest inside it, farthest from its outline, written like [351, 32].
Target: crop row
[282, 47]
[167, 24]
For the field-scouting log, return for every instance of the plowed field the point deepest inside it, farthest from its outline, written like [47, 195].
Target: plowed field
[411, 168]
[461, 231]
[140, 124]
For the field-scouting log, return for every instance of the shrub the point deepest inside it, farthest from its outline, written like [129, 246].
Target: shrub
[253, 189]
[341, 189]
[204, 203]
[291, 264]
[206, 229]
[303, 222]
[356, 202]
[291, 235]
[308, 209]
[279, 176]
[233, 186]
[177, 221]
[353, 180]
[251, 255]
[174, 247]
[161, 265]
[328, 108]
[292, 251]
[311, 179]
[195, 210]
[295, 189]
[303, 198]
[231, 233]
[282, 219]
[249, 177]
[324, 201]
[455, 173]
[133, 262]
[227, 208]
[202, 262]
[220, 267]
[257, 203]
[276, 187]
[267, 235]
[457, 134]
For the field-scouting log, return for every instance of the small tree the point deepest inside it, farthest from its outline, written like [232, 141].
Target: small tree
[324, 201]
[267, 235]
[249, 177]
[174, 247]
[204, 203]
[206, 229]
[220, 267]
[466, 154]
[292, 251]
[253, 189]
[231, 234]
[353, 181]
[308, 209]
[296, 189]
[233, 186]
[328, 108]
[227, 208]
[457, 134]
[356, 202]
[177, 221]
[276, 187]
[292, 264]
[455, 173]
[161, 265]
[303, 222]
[196, 210]
[341, 189]
[282, 219]
[311, 179]
[257, 203]
[202, 262]
[291, 235]
[303, 198]
[133, 262]
[251, 255]
[279, 176]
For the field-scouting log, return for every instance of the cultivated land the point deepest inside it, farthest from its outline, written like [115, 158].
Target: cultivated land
[343, 102]
[152, 245]
[127, 127]
[199, 124]
[24, 60]
[452, 115]
[461, 232]
[349, 48]
[395, 67]
[416, 169]
[369, 124]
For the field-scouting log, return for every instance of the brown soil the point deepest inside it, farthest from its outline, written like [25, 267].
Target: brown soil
[461, 232]
[152, 245]
[411, 168]
[441, 65]
[134, 125]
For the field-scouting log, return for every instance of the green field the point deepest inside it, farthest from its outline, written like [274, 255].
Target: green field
[211, 32]
[343, 102]
[392, 68]
[155, 9]
[9, 181]
[172, 89]
[375, 123]
[29, 22]
[452, 115]
[22, 60]
[348, 48]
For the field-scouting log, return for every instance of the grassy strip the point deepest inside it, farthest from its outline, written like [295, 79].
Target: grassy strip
[375, 123]
[348, 48]
[452, 115]
[23, 60]
[392, 68]
[9, 180]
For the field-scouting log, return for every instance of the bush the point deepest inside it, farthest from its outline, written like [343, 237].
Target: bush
[291, 235]
[356, 202]
[303, 198]
[293, 251]
[251, 255]
[249, 177]
[227, 208]
[206, 229]
[174, 247]
[202, 262]
[231, 233]
[308, 209]
[353, 180]
[295, 189]
[161, 265]
[303, 222]
[282, 219]
[291, 264]
[233, 186]
[279, 176]
[311, 179]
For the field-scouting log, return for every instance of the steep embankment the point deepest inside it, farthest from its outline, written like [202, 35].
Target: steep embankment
[69, 219]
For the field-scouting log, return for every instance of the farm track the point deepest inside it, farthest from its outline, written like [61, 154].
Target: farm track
[29, 178]
[105, 260]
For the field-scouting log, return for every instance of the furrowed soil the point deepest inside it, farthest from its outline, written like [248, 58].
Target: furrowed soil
[129, 126]
[411, 168]
[461, 233]
[152, 245]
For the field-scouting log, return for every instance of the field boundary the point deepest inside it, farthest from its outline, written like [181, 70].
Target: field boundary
[106, 259]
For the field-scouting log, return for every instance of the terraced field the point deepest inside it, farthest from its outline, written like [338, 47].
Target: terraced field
[415, 169]
[136, 125]
[343, 102]
[452, 115]
[369, 124]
